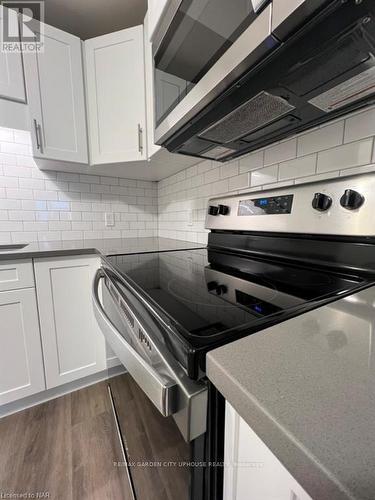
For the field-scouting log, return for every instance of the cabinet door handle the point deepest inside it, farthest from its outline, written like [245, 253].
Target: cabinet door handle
[38, 136]
[140, 139]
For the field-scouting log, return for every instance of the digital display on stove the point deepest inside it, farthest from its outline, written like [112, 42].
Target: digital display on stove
[259, 307]
[266, 206]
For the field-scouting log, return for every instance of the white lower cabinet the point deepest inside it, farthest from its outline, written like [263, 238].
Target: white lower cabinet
[73, 345]
[21, 360]
[252, 472]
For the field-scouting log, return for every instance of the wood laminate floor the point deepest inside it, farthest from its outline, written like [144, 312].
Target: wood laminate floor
[66, 448]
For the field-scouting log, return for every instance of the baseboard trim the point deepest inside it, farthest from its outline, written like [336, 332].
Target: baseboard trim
[42, 397]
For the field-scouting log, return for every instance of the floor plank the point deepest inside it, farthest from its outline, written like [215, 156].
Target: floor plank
[150, 437]
[66, 447]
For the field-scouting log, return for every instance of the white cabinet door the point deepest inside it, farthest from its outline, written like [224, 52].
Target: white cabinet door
[55, 88]
[73, 345]
[21, 361]
[152, 148]
[12, 84]
[156, 9]
[16, 274]
[115, 83]
[252, 472]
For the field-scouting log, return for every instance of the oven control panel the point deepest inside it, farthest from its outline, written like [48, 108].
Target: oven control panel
[342, 206]
[271, 205]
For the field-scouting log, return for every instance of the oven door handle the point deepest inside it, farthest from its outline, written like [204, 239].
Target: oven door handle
[165, 383]
[159, 388]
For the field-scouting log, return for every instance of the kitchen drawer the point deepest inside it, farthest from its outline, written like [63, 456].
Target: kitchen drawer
[15, 274]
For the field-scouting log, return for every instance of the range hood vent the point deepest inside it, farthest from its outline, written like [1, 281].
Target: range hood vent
[257, 112]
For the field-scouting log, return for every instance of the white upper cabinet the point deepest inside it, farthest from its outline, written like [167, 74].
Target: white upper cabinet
[115, 85]
[55, 88]
[156, 8]
[12, 84]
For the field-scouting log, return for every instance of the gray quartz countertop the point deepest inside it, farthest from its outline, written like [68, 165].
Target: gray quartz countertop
[101, 247]
[307, 388]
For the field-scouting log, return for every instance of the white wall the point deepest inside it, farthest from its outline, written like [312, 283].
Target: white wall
[342, 147]
[48, 206]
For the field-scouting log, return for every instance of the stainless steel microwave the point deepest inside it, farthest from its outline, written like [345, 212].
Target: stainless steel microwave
[233, 76]
[194, 37]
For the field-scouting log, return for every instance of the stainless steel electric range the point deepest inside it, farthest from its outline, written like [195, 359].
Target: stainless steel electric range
[270, 256]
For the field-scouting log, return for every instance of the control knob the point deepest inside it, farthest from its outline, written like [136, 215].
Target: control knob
[223, 210]
[321, 202]
[221, 289]
[351, 200]
[213, 286]
[212, 210]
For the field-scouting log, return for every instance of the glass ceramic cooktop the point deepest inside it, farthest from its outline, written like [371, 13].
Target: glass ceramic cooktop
[209, 292]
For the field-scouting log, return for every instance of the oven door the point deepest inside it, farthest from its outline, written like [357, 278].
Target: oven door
[200, 48]
[137, 338]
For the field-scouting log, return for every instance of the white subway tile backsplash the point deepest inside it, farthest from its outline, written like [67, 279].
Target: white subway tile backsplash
[59, 225]
[360, 126]
[21, 137]
[5, 238]
[110, 181]
[229, 169]
[55, 185]
[9, 204]
[212, 175]
[280, 152]
[239, 182]
[358, 170]
[12, 147]
[19, 194]
[345, 156]
[21, 215]
[49, 236]
[46, 216]
[10, 226]
[6, 134]
[263, 176]
[16, 171]
[44, 195]
[33, 205]
[252, 161]
[9, 182]
[58, 205]
[318, 177]
[299, 167]
[46, 206]
[72, 235]
[320, 139]
[66, 176]
[24, 236]
[31, 183]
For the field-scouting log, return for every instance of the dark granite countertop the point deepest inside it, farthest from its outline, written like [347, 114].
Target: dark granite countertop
[307, 388]
[103, 247]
